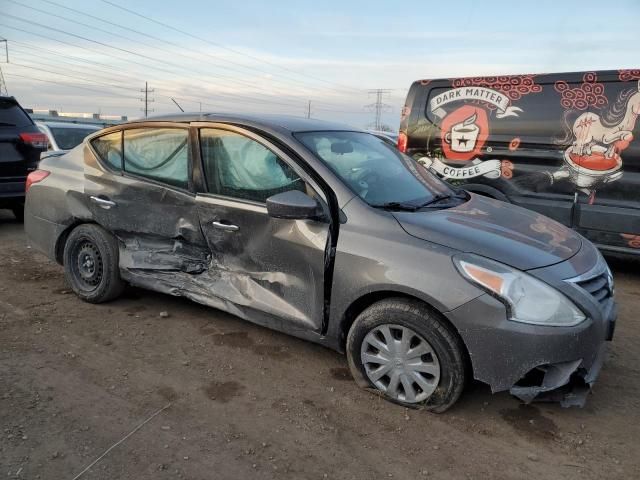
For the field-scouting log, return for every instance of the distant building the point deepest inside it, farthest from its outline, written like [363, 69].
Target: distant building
[91, 118]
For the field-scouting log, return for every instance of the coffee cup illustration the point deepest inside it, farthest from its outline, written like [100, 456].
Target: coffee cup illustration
[463, 136]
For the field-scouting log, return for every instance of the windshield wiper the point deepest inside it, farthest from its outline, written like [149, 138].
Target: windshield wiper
[5, 124]
[409, 207]
[437, 199]
[459, 195]
[412, 207]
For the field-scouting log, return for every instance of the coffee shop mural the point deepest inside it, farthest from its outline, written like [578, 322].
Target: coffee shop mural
[597, 129]
[463, 115]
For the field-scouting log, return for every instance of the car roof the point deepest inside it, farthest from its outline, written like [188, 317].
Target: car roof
[69, 125]
[289, 123]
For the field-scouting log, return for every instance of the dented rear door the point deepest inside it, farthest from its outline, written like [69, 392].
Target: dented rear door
[145, 197]
[268, 270]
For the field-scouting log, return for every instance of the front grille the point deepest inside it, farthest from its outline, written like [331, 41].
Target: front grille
[599, 286]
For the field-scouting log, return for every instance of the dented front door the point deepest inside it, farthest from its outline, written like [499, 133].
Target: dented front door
[268, 270]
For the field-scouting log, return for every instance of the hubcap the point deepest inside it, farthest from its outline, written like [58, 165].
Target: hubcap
[400, 363]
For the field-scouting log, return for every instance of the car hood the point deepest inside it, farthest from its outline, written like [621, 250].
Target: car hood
[503, 232]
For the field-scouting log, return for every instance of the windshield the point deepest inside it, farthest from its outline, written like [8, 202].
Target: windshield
[70, 137]
[377, 172]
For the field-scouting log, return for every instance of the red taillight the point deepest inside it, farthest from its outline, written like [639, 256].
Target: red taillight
[402, 142]
[35, 177]
[36, 140]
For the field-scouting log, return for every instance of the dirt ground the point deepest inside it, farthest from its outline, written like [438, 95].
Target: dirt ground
[246, 402]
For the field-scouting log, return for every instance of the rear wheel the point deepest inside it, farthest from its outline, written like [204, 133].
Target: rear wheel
[91, 264]
[408, 353]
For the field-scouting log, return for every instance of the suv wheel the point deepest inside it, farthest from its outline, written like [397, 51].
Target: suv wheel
[408, 353]
[91, 264]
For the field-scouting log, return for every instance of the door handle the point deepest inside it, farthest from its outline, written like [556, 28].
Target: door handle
[103, 202]
[227, 227]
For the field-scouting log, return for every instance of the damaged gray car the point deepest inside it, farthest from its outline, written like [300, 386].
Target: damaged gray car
[332, 235]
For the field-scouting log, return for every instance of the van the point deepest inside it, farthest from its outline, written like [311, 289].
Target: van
[562, 144]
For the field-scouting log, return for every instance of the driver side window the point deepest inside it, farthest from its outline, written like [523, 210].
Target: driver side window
[239, 167]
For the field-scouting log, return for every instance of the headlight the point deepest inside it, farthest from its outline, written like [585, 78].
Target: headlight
[528, 300]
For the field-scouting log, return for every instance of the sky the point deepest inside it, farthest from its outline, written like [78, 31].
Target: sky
[294, 57]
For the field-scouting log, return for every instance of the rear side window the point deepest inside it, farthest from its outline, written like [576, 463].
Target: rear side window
[160, 154]
[11, 115]
[109, 149]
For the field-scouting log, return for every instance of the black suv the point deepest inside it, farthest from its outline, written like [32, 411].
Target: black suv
[20, 146]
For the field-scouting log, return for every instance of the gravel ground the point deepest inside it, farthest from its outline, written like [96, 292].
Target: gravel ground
[246, 402]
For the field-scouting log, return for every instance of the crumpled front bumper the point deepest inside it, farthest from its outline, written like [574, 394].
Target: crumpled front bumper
[566, 383]
[534, 362]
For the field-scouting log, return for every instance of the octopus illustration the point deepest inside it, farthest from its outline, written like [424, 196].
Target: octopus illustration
[594, 157]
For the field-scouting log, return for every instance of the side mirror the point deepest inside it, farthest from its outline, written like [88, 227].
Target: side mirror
[293, 205]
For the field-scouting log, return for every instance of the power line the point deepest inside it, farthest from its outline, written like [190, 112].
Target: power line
[80, 86]
[185, 52]
[235, 97]
[71, 76]
[77, 59]
[157, 39]
[351, 89]
[26, 57]
[114, 56]
[133, 41]
[91, 80]
[106, 45]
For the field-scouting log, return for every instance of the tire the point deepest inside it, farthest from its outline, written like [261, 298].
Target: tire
[18, 212]
[445, 357]
[91, 264]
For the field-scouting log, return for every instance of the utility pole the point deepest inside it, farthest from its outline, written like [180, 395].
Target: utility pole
[3, 83]
[309, 109]
[146, 99]
[379, 106]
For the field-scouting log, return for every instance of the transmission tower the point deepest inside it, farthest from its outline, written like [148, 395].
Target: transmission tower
[3, 84]
[379, 107]
[146, 90]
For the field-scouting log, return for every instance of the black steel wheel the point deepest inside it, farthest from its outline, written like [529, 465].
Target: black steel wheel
[91, 264]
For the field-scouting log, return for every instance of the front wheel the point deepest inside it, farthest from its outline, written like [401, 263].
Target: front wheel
[91, 264]
[407, 352]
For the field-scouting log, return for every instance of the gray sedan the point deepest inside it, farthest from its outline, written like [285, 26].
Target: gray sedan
[330, 234]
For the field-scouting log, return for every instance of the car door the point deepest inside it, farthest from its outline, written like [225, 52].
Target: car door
[268, 270]
[143, 194]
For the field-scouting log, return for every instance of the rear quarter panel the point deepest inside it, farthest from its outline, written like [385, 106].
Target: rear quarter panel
[57, 202]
